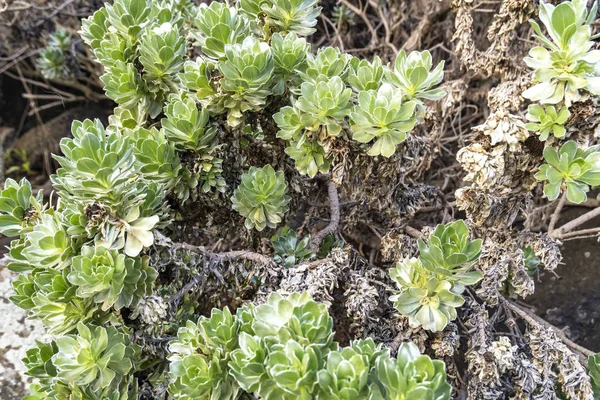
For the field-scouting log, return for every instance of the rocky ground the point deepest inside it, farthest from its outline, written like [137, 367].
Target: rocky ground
[16, 335]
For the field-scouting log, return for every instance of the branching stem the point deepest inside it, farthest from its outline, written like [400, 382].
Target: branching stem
[534, 320]
[227, 256]
[569, 226]
[334, 223]
[556, 214]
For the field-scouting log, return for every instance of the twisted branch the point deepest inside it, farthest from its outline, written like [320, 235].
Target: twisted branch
[334, 223]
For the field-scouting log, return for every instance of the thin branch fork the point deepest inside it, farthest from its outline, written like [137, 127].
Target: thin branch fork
[334, 223]
[226, 256]
[534, 320]
[569, 226]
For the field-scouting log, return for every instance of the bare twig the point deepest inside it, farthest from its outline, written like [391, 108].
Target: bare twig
[557, 211]
[227, 256]
[365, 19]
[589, 203]
[334, 223]
[579, 234]
[569, 226]
[535, 320]
[56, 11]
[386, 26]
[44, 130]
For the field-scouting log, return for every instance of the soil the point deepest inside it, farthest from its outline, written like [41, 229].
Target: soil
[571, 300]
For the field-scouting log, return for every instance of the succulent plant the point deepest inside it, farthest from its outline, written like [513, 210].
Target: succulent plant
[289, 55]
[309, 156]
[123, 84]
[84, 262]
[200, 357]
[324, 105]
[261, 198]
[127, 118]
[285, 16]
[430, 287]
[97, 356]
[328, 62]
[218, 25]
[426, 300]
[38, 361]
[548, 121]
[247, 363]
[20, 210]
[381, 115]
[101, 167]
[48, 296]
[295, 329]
[564, 65]
[49, 245]
[162, 52]
[199, 77]
[111, 278]
[365, 75]
[89, 149]
[95, 28]
[60, 39]
[112, 49]
[247, 73]
[156, 156]
[289, 250]
[297, 317]
[284, 349]
[570, 168]
[128, 17]
[24, 289]
[449, 252]
[412, 376]
[52, 63]
[414, 76]
[95, 168]
[292, 372]
[196, 377]
[289, 122]
[368, 348]
[187, 127]
[345, 376]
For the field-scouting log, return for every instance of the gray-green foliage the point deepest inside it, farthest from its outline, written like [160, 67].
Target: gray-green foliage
[289, 248]
[594, 372]
[52, 61]
[189, 81]
[430, 287]
[572, 169]
[20, 209]
[565, 71]
[547, 121]
[92, 364]
[284, 349]
[252, 53]
[261, 198]
[565, 66]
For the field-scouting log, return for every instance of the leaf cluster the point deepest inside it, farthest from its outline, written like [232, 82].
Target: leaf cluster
[284, 349]
[430, 287]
